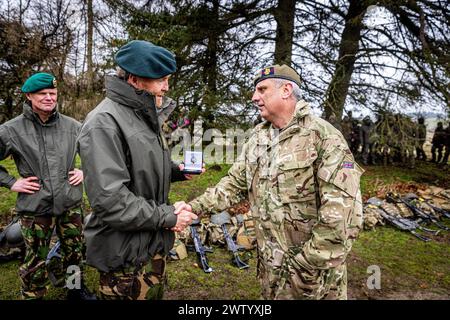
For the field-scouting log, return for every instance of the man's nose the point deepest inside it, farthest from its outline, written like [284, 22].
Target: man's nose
[255, 97]
[166, 86]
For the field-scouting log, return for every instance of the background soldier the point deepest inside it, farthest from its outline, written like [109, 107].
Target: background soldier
[438, 143]
[305, 220]
[42, 143]
[421, 137]
[346, 126]
[446, 144]
[364, 134]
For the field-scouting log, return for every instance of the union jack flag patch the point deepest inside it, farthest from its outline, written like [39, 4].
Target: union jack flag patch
[347, 165]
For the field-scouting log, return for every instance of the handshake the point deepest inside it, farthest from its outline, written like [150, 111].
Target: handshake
[185, 216]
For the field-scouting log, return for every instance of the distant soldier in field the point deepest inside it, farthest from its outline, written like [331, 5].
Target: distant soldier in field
[438, 143]
[421, 137]
[42, 143]
[364, 134]
[346, 128]
[446, 144]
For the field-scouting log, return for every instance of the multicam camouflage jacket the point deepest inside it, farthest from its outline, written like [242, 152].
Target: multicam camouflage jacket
[303, 187]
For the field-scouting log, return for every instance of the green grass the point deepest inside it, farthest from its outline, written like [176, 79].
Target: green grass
[408, 265]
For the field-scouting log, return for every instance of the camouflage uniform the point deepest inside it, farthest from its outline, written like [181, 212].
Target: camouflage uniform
[303, 188]
[37, 232]
[145, 282]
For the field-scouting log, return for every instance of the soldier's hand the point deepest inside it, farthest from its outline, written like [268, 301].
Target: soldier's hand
[190, 176]
[181, 205]
[26, 185]
[76, 177]
[184, 219]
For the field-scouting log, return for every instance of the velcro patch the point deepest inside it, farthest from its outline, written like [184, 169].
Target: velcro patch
[347, 165]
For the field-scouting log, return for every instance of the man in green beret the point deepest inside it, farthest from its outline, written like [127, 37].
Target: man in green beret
[42, 143]
[128, 172]
[303, 186]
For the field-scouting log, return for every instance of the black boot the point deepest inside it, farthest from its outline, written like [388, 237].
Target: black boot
[80, 294]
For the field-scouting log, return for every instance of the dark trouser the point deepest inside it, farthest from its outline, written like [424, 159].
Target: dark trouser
[421, 153]
[446, 155]
[37, 232]
[144, 283]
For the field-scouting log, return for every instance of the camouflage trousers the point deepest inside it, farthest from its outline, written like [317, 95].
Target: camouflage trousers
[37, 232]
[142, 283]
[290, 283]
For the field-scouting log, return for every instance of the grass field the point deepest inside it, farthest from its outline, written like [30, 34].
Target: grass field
[410, 268]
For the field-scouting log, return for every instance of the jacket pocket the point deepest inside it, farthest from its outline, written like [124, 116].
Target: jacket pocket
[296, 181]
[72, 195]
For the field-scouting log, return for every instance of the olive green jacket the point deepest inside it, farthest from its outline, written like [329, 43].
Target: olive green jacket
[47, 151]
[128, 172]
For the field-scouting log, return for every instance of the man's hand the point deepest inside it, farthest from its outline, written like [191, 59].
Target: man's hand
[26, 185]
[190, 176]
[184, 216]
[76, 177]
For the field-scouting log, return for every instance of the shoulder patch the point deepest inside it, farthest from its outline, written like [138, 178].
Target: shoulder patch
[347, 165]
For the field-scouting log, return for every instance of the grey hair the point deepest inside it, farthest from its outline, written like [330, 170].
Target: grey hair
[295, 88]
[122, 74]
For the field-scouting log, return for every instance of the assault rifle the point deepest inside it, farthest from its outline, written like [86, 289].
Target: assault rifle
[400, 223]
[222, 219]
[441, 211]
[234, 249]
[393, 197]
[200, 249]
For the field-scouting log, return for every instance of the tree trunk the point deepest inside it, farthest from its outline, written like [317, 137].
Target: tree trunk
[284, 15]
[348, 48]
[90, 44]
[210, 68]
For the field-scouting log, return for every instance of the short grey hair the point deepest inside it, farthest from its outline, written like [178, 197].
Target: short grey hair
[295, 88]
[122, 74]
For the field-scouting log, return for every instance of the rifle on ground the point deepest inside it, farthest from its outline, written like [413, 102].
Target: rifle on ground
[234, 249]
[400, 223]
[393, 197]
[222, 219]
[200, 249]
[441, 211]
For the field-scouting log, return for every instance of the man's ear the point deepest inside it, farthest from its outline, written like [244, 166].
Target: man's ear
[28, 95]
[287, 90]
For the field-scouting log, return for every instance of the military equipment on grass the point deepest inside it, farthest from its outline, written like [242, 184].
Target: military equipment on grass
[200, 249]
[413, 196]
[12, 245]
[393, 197]
[400, 223]
[222, 219]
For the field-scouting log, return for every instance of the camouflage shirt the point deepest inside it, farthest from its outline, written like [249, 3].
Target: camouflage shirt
[303, 186]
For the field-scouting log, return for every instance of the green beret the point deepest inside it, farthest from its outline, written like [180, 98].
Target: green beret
[144, 59]
[277, 71]
[39, 81]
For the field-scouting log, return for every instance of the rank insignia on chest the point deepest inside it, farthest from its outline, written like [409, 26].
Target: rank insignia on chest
[347, 165]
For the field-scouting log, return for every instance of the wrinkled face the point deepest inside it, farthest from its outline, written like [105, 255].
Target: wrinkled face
[43, 100]
[157, 87]
[268, 98]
